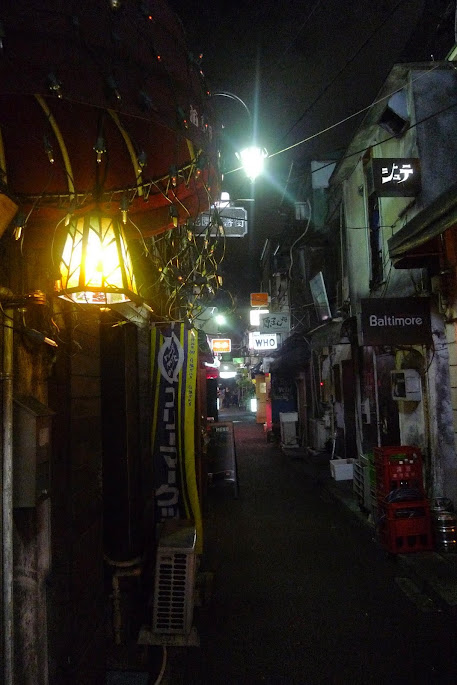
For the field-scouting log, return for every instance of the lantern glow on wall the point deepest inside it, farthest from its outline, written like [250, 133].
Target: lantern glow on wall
[95, 264]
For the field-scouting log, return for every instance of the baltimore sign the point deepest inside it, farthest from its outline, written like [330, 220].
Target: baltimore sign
[396, 321]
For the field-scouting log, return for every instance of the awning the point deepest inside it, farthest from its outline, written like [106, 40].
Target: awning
[293, 356]
[417, 241]
[296, 351]
[326, 335]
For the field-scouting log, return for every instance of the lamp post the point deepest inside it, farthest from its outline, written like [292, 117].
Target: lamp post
[251, 157]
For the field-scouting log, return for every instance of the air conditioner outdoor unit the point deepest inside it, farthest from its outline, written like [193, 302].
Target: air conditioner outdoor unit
[174, 585]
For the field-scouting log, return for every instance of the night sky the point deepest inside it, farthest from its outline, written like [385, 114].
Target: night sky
[301, 66]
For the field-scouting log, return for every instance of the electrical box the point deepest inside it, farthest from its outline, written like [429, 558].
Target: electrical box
[406, 385]
[31, 451]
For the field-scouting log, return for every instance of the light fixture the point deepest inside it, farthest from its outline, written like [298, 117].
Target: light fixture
[95, 264]
[254, 316]
[227, 370]
[252, 158]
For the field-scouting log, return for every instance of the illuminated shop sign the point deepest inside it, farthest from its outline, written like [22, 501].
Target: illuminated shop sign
[396, 321]
[221, 345]
[263, 341]
[396, 177]
[259, 299]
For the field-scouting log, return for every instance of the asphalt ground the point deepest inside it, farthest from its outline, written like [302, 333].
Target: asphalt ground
[298, 591]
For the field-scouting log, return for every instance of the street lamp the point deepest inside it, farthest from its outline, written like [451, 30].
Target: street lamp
[252, 157]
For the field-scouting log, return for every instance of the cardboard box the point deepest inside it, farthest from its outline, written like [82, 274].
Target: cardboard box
[342, 469]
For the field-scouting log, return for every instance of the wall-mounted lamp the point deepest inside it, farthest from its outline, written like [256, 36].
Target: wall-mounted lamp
[95, 264]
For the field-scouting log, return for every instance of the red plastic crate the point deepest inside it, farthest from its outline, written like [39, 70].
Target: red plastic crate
[389, 454]
[406, 527]
[388, 480]
[397, 466]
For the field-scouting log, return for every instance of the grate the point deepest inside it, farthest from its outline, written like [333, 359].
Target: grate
[174, 579]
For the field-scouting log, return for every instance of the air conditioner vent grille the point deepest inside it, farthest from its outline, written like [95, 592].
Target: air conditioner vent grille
[174, 579]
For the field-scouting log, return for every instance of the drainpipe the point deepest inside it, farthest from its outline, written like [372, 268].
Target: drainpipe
[7, 496]
[376, 397]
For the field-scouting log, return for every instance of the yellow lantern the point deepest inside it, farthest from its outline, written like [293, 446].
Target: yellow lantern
[95, 265]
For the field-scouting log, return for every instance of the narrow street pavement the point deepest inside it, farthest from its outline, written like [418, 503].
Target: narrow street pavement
[301, 592]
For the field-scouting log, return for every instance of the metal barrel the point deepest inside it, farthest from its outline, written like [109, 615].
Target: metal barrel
[445, 529]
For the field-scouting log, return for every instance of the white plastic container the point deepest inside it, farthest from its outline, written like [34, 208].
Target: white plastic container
[342, 469]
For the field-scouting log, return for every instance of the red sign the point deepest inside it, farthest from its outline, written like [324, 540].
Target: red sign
[259, 299]
[221, 345]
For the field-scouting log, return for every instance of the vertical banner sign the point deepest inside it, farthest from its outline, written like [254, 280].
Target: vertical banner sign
[174, 363]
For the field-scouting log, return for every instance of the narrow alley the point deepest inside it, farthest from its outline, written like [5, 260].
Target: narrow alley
[301, 592]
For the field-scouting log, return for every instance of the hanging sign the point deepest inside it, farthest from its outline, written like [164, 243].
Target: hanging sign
[221, 345]
[263, 341]
[229, 222]
[274, 323]
[396, 321]
[259, 299]
[396, 177]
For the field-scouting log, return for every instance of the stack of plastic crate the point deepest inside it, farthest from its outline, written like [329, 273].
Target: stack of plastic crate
[367, 460]
[404, 521]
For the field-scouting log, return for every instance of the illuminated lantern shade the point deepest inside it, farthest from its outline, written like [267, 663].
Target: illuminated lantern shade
[95, 265]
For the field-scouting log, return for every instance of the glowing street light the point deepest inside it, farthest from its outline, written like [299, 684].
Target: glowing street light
[252, 158]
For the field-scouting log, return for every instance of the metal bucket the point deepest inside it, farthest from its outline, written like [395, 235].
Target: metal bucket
[445, 528]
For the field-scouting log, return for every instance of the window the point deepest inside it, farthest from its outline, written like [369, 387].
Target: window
[395, 118]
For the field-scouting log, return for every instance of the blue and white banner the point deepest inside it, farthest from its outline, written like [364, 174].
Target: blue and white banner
[174, 360]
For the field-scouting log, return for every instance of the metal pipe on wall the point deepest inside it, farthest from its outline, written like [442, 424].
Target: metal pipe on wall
[376, 397]
[7, 498]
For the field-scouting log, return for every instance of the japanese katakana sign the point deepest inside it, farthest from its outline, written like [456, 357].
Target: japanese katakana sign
[396, 177]
[274, 323]
[174, 366]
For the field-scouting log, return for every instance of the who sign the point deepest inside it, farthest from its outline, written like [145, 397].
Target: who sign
[263, 341]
